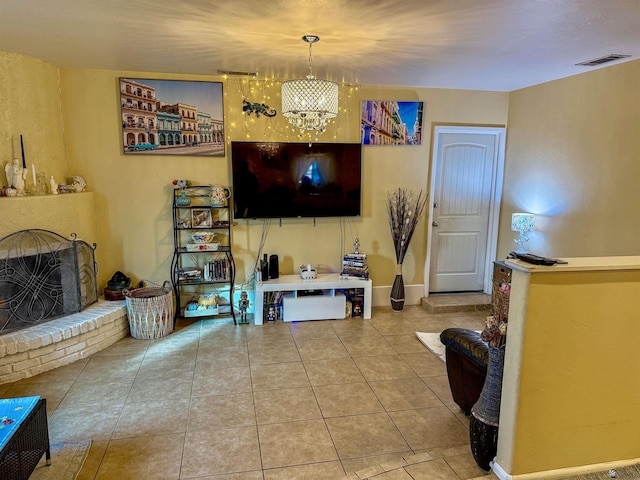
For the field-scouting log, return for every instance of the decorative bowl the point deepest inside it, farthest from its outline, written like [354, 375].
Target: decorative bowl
[203, 237]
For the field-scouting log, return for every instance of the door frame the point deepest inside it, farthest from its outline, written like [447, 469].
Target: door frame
[500, 133]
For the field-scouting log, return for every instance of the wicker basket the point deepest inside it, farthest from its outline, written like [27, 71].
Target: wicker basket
[150, 311]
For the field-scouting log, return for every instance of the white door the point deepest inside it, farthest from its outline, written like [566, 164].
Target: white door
[466, 187]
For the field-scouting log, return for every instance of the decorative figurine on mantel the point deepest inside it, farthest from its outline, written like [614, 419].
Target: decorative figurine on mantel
[53, 186]
[16, 176]
[78, 183]
[243, 305]
[41, 184]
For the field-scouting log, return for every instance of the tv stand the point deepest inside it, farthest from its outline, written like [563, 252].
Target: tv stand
[330, 305]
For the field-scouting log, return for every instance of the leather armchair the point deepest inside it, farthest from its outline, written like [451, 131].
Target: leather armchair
[467, 357]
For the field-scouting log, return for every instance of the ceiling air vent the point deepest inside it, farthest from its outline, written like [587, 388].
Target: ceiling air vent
[599, 61]
[236, 73]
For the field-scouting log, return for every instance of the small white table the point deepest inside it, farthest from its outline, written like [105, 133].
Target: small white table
[312, 307]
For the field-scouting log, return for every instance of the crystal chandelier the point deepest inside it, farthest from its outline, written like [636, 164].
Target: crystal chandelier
[309, 103]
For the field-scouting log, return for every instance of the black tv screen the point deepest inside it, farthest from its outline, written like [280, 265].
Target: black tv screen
[284, 180]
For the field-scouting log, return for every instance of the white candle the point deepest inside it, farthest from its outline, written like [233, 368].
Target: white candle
[33, 173]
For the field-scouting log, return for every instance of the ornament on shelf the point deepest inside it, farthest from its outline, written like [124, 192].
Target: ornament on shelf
[41, 184]
[78, 183]
[182, 183]
[16, 176]
[53, 186]
[182, 200]
[243, 305]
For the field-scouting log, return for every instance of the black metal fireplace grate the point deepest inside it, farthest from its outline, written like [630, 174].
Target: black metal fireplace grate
[44, 276]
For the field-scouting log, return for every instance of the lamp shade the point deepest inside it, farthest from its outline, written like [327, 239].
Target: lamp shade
[522, 222]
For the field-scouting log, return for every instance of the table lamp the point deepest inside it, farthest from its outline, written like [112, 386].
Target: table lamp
[522, 223]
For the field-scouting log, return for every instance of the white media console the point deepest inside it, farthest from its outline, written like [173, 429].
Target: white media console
[329, 305]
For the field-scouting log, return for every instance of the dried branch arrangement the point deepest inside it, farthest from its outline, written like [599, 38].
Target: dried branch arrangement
[404, 209]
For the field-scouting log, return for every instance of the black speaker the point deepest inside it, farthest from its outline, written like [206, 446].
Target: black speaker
[274, 269]
[264, 269]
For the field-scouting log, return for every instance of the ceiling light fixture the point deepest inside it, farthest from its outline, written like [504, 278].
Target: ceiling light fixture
[310, 103]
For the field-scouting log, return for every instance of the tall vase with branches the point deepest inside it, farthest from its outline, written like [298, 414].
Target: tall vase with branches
[404, 209]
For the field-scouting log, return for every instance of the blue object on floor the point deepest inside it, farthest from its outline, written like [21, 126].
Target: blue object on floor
[13, 411]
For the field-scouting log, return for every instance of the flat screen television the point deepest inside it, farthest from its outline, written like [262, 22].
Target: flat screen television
[294, 180]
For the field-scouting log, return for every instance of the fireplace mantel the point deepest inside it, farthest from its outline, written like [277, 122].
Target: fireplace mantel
[64, 213]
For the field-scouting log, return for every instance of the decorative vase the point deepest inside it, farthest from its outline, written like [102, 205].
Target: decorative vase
[397, 291]
[485, 414]
[219, 195]
[183, 200]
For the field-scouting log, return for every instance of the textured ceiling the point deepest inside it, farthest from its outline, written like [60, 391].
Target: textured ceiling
[469, 44]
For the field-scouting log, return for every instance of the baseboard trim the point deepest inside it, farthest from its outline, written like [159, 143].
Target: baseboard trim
[560, 473]
[499, 472]
[412, 295]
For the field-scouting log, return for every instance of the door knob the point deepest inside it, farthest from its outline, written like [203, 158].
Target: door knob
[435, 224]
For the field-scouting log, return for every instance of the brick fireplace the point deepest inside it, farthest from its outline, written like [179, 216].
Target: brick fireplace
[70, 337]
[58, 342]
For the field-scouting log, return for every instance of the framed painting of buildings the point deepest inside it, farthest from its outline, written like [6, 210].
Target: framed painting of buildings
[171, 117]
[391, 123]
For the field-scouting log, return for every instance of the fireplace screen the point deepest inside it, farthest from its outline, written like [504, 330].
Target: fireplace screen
[44, 276]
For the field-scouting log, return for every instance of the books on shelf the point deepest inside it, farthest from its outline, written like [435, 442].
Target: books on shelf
[187, 274]
[213, 271]
[346, 276]
[216, 270]
[354, 267]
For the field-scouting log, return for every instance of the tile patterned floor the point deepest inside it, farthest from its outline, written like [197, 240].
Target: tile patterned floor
[311, 400]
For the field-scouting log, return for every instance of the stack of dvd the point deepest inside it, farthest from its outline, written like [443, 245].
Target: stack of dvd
[189, 275]
[354, 266]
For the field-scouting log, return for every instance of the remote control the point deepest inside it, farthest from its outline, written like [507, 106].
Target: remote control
[535, 259]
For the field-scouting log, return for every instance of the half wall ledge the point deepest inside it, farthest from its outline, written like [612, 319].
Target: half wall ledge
[58, 342]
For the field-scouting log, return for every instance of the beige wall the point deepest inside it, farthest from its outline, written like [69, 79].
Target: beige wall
[31, 106]
[133, 192]
[573, 160]
[570, 391]
[30, 95]
[577, 132]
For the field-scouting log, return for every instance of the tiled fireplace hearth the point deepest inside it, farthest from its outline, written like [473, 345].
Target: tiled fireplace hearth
[58, 342]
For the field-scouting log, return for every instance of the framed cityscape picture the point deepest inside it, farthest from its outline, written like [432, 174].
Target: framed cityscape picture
[391, 122]
[171, 117]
